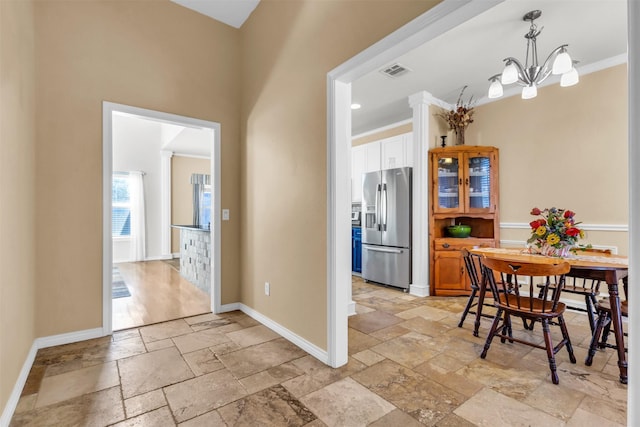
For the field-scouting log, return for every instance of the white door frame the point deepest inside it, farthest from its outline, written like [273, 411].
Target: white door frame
[427, 26]
[108, 108]
[434, 22]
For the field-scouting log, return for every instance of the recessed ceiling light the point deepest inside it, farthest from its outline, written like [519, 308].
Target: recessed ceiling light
[356, 106]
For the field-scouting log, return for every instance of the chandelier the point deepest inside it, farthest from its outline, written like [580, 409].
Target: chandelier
[531, 75]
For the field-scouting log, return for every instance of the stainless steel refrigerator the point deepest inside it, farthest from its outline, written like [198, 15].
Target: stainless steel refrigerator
[386, 227]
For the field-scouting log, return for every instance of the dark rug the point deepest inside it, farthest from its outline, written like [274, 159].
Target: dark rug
[118, 287]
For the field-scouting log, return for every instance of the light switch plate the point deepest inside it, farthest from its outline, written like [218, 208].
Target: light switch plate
[225, 214]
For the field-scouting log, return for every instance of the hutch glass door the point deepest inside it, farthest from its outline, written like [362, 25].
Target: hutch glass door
[448, 179]
[479, 182]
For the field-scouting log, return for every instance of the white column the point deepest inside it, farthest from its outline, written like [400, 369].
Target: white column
[420, 102]
[339, 225]
[165, 204]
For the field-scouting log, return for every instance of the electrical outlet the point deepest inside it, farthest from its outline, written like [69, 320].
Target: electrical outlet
[267, 288]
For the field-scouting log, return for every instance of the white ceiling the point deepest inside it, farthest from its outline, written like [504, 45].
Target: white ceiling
[231, 12]
[180, 140]
[595, 30]
[187, 141]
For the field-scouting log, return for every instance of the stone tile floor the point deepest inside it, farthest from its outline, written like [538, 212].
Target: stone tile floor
[409, 365]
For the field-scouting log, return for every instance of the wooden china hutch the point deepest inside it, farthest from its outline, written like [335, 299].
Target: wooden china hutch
[464, 190]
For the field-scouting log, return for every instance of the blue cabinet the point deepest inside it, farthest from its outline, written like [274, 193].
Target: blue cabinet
[356, 249]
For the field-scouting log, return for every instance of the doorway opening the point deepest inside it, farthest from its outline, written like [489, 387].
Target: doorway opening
[142, 150]
[427, 26]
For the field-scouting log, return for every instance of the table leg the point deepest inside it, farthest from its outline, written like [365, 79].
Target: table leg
[481, 292]
[616, 319]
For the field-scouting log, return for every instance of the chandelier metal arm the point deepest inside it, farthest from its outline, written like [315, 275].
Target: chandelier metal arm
[547, 67]
[523, 78]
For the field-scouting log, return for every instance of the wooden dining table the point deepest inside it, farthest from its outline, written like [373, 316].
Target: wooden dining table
[605, 267]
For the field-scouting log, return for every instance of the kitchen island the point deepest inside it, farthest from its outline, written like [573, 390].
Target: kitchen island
[195, 255]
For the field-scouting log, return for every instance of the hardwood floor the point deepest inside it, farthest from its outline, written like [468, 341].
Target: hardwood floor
[158, 294]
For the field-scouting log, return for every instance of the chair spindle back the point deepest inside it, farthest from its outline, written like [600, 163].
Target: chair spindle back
[519, 283]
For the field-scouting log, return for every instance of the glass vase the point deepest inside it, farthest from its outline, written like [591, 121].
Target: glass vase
[459, 135]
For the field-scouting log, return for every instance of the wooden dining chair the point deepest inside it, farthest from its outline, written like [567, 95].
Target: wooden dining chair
[603, 323]
[473, 268]
[513, 298]
[587, 288]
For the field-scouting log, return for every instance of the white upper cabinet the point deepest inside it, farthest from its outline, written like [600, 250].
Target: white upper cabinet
[394, 152]
[372, 156]
[388, 153]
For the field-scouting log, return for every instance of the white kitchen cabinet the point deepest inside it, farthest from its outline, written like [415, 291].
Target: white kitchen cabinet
[392, 152]
[372, 156]
[388, 153]
[397, 151]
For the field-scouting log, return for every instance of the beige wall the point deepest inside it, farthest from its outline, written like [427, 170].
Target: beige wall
[437, 128]
[288, 49]
[182, 192]
[17, 191]
[154, 55]
[566, 148]
[387, 133]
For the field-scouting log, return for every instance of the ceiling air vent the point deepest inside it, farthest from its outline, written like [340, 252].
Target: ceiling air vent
[395, 70]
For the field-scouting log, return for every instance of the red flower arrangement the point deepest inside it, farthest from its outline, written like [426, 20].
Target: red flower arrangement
[555, 232]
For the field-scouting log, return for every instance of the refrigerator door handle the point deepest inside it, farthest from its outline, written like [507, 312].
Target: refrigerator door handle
[378, 196]
[385, 250]
[384, 203]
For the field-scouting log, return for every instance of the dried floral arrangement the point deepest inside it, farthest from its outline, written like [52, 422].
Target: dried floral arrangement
[460, 117]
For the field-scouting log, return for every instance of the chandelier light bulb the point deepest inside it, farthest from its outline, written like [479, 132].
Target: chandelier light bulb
[529, 92]
[563, 63]
[495, 89]
[509, 74]
[570, 78]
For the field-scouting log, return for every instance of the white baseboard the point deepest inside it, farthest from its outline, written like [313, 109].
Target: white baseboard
[229, 307]
[351, 309]
[68, 338]
[159, 257]
[419, 291]
[39, 343]
[12, 403]
[150, 258]
[290, 336]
